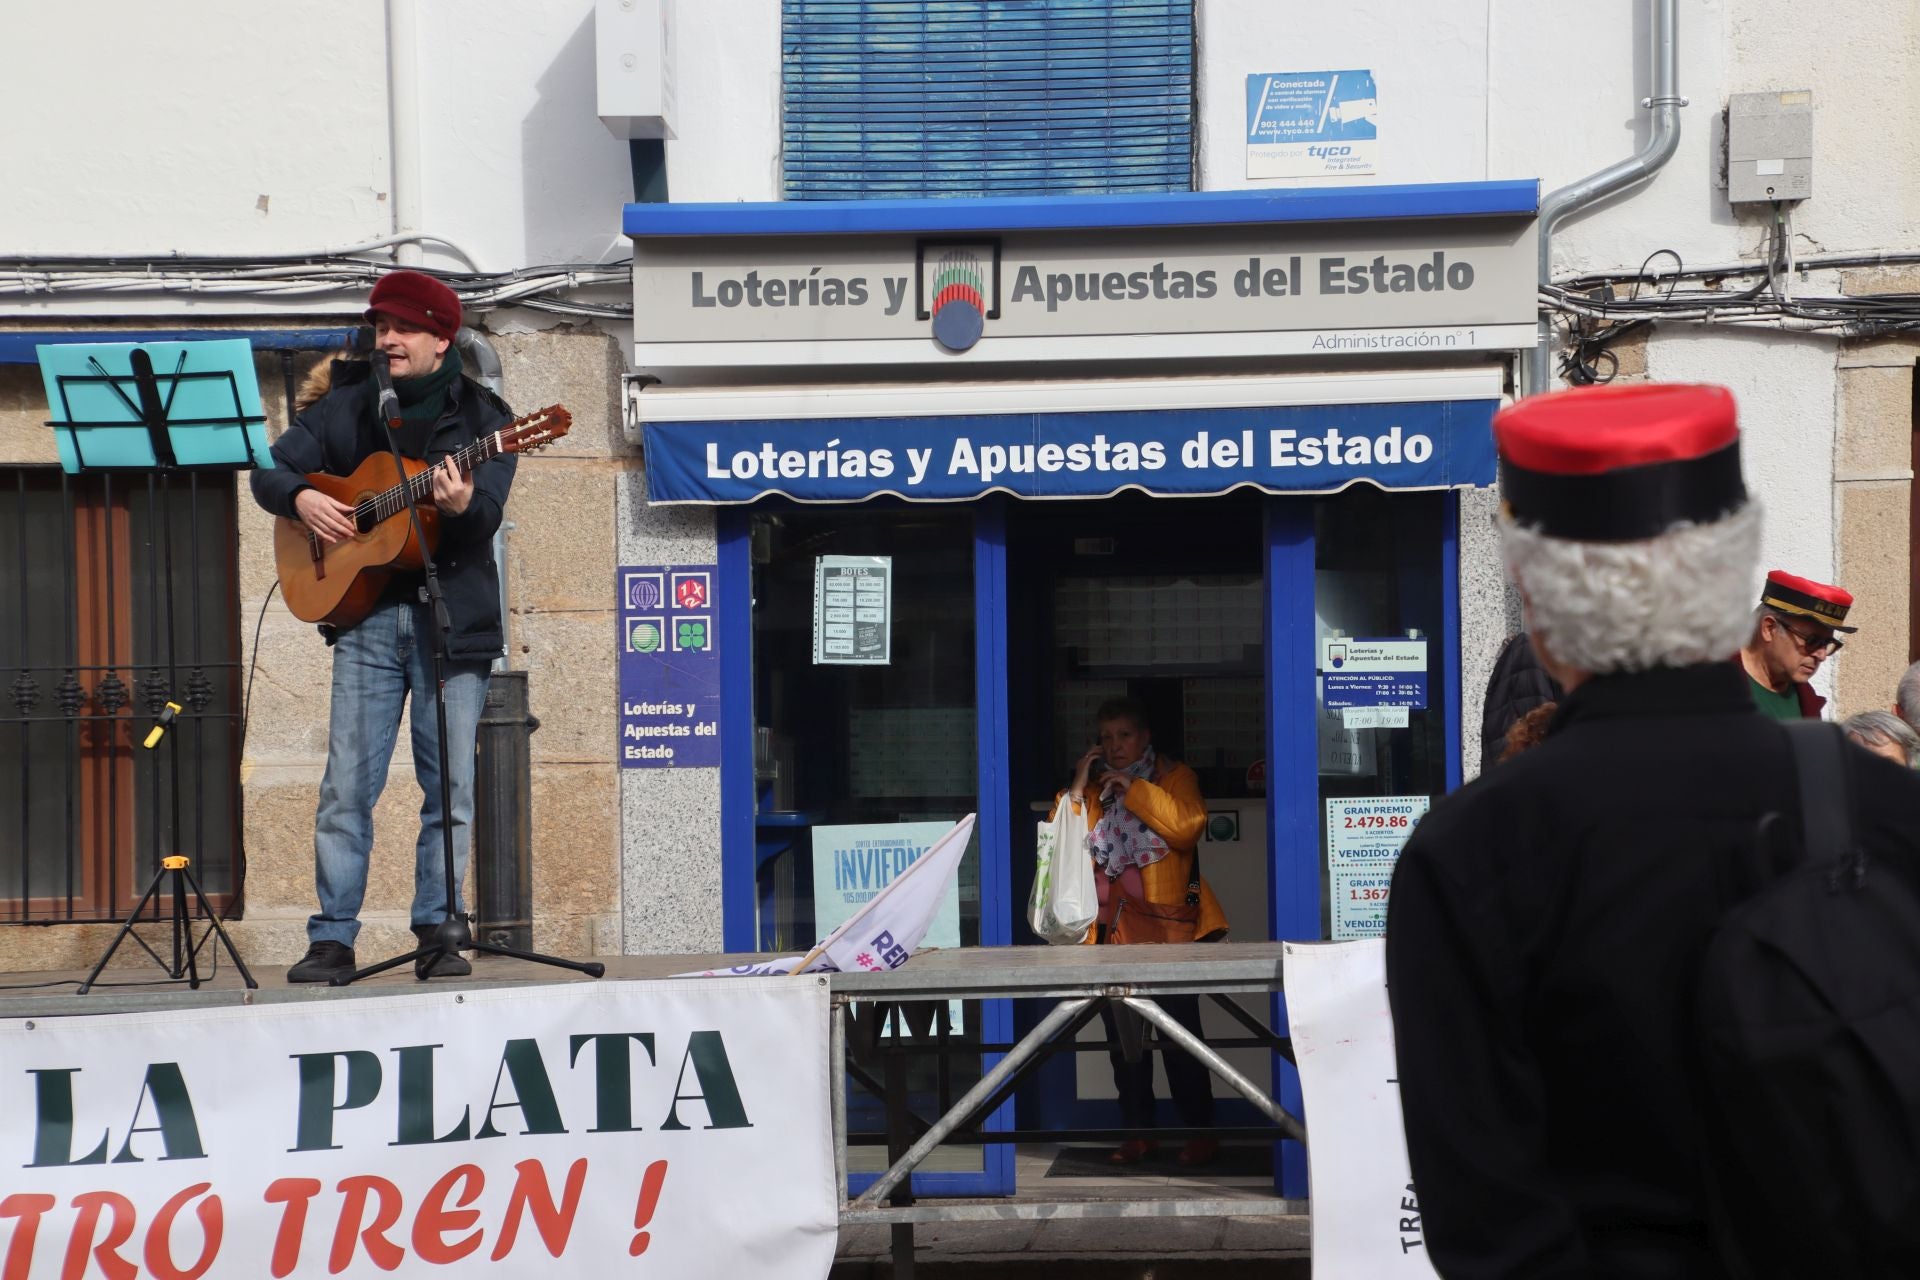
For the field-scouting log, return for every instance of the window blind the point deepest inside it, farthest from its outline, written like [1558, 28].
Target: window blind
[915, 98]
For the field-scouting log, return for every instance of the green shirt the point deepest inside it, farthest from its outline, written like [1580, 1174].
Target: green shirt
[1781, 706]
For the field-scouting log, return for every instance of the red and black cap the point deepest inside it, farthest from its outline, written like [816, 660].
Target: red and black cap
[1620, 464]
[1807, 599]
[419, 300]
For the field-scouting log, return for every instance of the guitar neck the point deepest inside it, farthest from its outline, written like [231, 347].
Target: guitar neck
[420, 486]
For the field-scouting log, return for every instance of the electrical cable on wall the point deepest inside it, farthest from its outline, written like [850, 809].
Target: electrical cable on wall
[315, 274]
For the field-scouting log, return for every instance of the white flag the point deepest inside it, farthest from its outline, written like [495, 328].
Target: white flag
[882, 934]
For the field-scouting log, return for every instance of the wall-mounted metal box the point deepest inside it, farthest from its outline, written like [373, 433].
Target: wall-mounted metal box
[633, 67]
[1770, 146]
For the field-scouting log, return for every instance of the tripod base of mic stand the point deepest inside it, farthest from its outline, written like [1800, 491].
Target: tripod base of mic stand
[450, 937]
[185, 951]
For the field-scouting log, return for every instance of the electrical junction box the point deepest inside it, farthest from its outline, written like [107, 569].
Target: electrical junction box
[633, 67]
[1770, 146]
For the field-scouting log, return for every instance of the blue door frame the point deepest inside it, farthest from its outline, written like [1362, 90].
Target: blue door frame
[738, 800]
[1293, 796]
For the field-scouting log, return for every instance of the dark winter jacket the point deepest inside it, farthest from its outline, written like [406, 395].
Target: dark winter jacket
[1518, 684]
[341, 430]
[1541, 932]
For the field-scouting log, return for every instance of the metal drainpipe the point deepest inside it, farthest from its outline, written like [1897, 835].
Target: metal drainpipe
[403, 108]
[1662, 141]
[483, 362]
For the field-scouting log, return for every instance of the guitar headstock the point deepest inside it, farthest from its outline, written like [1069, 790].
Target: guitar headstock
[536, 430]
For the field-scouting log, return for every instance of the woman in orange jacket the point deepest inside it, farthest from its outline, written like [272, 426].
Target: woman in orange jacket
[1144, 819]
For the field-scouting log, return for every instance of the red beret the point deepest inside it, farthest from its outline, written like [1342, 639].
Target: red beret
[1620, 464]
[1825, 604]
[419, 300]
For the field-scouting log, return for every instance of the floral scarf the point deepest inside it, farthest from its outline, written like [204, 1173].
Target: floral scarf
[1120, 840]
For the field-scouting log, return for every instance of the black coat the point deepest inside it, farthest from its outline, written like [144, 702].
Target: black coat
[1541, 932]
[340, 430]
[1517, 685]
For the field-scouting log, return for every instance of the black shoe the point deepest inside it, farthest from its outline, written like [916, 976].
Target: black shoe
[448, 964]
[323, 962]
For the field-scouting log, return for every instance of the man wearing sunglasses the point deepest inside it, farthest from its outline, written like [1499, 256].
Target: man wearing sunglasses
[1793, 634]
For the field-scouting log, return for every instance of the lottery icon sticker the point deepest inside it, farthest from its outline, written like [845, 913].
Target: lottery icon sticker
[669, 655]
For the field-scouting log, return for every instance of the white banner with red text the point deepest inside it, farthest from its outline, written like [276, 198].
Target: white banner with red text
[668, 1129]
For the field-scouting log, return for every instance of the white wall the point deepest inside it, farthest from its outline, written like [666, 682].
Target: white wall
[1785, 386]
[728, 91]
[235, 127]
[145, 127]
[1429, 64]
[159, 127]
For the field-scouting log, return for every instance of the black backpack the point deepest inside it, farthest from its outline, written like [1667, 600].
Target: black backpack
[1807, 1034]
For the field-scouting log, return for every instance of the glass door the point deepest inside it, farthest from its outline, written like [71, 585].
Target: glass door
[865, 693]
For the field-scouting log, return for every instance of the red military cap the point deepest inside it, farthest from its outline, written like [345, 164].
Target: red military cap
[1809, 599]
[1620, 464]
[419, 300]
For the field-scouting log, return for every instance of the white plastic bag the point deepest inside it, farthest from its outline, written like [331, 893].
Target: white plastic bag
[1064, 903]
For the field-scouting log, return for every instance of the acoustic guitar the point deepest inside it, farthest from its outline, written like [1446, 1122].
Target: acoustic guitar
[340, 584]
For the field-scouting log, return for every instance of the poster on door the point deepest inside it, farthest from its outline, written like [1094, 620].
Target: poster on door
[853, 611]
[1364, 839]
[852, 864]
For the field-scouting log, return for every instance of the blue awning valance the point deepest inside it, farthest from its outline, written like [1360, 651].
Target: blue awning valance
[1290, 449]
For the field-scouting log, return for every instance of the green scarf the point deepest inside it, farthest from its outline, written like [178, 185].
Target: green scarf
[423, 399]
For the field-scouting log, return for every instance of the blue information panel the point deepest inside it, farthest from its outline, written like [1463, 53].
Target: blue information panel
[669, 666]
[1312, 124]
[1373, 673]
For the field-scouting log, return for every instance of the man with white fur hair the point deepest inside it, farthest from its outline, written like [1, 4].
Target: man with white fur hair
[1543, 920]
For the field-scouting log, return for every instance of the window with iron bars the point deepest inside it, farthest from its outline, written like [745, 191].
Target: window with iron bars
[118, 595]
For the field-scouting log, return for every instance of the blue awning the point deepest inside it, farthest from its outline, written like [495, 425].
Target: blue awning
[1294, 449]
[1517, 198]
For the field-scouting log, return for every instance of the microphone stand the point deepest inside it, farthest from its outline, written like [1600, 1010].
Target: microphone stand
[451, 935]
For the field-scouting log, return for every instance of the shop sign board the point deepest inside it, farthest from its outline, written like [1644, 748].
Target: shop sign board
[1187, 452]
[1312, 124]
[1373, 673]
[853, 611]
[1381, 288]
[1364, 839]
[608, 1128]
[669, 666]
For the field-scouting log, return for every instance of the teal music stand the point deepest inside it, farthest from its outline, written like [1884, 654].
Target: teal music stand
[122, 406]
[160, 408]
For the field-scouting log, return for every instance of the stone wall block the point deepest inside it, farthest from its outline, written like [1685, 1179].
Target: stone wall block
[1875, 434]
[292, 690]
[572, 685]
[1873, 520]
[560, 553]
[578, 368]
[24, 434]
[576, 839]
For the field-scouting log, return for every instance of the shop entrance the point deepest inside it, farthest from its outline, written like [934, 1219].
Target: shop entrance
[1162, 601]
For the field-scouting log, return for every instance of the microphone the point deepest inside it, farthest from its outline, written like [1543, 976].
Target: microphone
[389, 402]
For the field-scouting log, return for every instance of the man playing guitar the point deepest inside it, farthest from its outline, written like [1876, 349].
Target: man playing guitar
[386, 656]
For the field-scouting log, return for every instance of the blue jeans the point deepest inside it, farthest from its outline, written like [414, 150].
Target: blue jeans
[376, 665]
